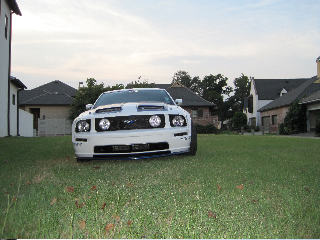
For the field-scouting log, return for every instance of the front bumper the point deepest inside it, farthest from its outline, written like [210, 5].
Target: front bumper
[132, 144]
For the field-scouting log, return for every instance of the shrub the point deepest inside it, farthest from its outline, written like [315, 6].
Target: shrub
[255, 128]
[295, 120]
[284, 130]
[239, 120]
[210, 128]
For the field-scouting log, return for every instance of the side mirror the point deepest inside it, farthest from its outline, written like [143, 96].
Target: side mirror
[178, 102]
[89, 106]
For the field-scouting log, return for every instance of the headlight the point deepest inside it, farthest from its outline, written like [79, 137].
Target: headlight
[83, 126]
[104, 124]
[178, 121]
[155, 121]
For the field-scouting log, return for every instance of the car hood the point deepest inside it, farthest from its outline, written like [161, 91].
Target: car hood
[124, 109]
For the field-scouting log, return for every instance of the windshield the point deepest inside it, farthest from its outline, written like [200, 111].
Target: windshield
[134, 95]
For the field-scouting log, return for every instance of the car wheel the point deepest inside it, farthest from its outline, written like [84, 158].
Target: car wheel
[194, 141]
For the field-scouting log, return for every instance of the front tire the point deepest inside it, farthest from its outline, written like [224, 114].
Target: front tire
[194, 141]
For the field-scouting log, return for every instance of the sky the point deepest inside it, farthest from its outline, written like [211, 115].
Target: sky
[118, 41]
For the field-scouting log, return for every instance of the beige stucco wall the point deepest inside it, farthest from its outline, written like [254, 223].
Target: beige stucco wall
[13, 110]
[4, 67]
[51, 112]
[25, 124]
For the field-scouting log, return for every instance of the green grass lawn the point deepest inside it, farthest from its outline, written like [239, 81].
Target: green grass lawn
[235, 187]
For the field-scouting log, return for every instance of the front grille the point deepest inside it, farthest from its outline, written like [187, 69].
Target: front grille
[131, 148]
[129, 122]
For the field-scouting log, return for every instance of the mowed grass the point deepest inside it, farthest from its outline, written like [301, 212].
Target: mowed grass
[235, 187]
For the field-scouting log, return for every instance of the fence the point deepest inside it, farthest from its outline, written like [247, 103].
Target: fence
[54, 127]
[25, 124]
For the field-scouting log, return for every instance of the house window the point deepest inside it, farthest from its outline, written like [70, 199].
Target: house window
[6, 26]
[274, 120]
[13, 99]
[252, 121]
[248, 104]
[197, 113]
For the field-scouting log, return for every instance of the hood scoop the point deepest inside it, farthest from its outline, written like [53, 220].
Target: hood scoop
[150, 108]
[109, 110]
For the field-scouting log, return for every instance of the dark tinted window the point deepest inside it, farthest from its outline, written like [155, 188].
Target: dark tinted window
[136, 95]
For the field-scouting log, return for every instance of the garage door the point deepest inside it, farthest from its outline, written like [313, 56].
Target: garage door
[265, 123]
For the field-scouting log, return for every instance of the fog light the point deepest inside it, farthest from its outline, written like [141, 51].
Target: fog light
[178, 121]
[155, 121]
[83, 126]
[104, 124]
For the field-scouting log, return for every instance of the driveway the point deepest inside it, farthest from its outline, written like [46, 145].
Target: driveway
[303, 135]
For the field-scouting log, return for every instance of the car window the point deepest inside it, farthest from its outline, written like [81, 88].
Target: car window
[135, 95]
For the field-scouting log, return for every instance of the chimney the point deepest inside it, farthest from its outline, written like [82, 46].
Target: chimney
[318, 69]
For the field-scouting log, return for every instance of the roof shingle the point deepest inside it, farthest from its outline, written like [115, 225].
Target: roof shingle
[305, 89]
[269, 89]
[58, 87]
[46, 98]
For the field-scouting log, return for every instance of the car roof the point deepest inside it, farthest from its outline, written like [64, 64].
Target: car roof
[135, 89]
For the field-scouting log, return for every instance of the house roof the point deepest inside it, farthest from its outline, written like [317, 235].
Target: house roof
[269, 89]
[55, 93]
[58, 87]
[17, 82]
[315, 97]
[26, 95]
[305, 89]
[14, 6]
[41, 97]
[189, 98]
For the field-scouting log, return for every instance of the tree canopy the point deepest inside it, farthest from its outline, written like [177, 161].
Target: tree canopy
[241, 90]
[213, 88]
[84, 96]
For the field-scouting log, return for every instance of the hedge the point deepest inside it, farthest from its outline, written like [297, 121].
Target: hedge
[210, 128]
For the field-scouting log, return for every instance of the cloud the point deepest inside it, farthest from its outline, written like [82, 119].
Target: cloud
[121, 40]
[189, 62]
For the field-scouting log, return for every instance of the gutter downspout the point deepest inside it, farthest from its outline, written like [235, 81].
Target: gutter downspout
[9, 73]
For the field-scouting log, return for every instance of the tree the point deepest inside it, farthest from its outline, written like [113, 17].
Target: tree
[241, 90]
[295, 120]
[138, 84]
[212, 88]
[185, 79]
[182, 77]
[86, 95]
[226, 110]
[239, 120]
[115, 87]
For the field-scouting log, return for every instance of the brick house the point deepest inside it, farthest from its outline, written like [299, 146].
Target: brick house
[265, 91]
[201, 111]
[312, 103]
[274, 113]
[313, 110]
